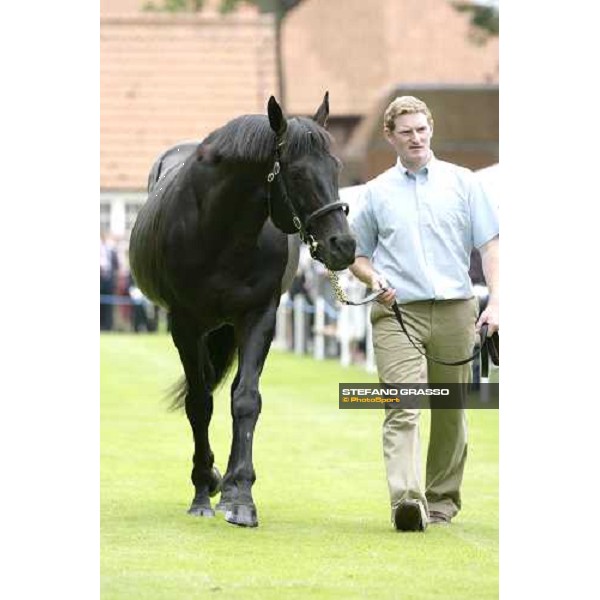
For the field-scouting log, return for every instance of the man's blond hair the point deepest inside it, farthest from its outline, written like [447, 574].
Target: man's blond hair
[405, 105]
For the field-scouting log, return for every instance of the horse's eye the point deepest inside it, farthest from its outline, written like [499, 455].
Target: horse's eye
[296, 174]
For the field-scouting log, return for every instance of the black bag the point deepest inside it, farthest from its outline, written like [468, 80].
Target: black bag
[492, 345]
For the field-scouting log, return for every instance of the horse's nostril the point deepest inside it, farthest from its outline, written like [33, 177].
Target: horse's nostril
[343, 243]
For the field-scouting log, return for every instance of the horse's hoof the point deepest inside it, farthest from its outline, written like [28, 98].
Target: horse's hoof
[214, 487]
[201, 510]
[242, 515]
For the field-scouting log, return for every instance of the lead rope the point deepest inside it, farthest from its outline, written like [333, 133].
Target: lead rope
[340, 294]
[343, 298]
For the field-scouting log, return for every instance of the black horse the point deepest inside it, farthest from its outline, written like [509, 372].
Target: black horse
[211, 245]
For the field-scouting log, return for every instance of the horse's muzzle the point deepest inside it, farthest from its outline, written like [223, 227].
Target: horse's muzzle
[337, 253]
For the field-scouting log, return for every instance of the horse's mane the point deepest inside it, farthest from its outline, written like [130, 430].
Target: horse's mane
[250, 138]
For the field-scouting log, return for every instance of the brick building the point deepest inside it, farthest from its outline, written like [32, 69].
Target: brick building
[167, 77]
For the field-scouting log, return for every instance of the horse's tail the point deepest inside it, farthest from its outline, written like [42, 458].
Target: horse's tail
[221, 349]
[177, 393]
[220, 345]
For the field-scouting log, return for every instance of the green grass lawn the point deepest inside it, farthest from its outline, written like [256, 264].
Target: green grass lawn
[321, 494]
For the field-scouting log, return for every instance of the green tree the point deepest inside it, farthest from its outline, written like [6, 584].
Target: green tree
[279, 8]
[484, 18]
[175, 5]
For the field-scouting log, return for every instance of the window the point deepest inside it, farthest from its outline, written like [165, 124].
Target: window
[104, 216]
[131, 212]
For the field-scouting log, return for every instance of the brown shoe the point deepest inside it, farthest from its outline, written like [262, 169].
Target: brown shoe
[438, 518]
[409, 515]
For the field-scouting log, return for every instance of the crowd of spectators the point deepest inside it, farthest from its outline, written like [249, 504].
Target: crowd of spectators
[123, 307]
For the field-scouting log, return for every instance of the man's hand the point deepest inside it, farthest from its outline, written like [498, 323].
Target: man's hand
[379, 282]
[490, 316]
[490, 261]
[363, 269]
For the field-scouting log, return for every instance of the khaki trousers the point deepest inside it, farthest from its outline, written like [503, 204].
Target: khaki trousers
[446, 330]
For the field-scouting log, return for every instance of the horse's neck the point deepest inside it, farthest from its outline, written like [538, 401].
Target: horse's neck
[236, 207]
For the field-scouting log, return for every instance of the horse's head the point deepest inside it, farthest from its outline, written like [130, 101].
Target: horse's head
[304, 187]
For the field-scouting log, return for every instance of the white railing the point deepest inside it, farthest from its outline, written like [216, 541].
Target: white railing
[321, 330]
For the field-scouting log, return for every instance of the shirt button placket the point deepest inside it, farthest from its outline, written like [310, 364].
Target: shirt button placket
[424, 223]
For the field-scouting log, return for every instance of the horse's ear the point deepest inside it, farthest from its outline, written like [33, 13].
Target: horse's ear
[322, 112]
[276, 119]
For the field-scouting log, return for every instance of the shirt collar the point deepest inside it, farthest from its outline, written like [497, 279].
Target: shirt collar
[425, 169]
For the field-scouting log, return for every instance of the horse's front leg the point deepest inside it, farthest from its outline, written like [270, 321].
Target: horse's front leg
[255, 334]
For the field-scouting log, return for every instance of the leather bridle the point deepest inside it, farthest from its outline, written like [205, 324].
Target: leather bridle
[303, 228]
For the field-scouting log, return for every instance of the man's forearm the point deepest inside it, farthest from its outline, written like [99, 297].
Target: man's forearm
[363, 269]
[490, 253]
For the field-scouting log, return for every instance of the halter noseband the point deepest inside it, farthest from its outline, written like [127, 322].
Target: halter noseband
[302, 228]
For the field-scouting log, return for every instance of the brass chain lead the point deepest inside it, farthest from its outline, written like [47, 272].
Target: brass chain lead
[337, 288]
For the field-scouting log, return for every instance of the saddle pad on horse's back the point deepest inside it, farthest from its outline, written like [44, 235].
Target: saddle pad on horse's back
[171, 158]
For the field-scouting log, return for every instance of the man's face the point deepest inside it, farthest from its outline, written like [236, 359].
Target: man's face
[411, 139]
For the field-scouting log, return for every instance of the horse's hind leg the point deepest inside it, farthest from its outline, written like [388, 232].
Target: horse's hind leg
[198, 408]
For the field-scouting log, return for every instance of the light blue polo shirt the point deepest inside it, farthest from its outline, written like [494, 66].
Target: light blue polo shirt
[418, 230]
